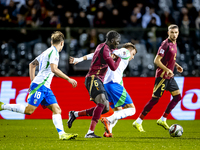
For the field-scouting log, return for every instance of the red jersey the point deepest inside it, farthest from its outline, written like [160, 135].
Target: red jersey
[100, 62]
[168, 52]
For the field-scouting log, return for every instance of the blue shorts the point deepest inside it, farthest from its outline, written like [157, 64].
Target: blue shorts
[42, 95]
[117, 95]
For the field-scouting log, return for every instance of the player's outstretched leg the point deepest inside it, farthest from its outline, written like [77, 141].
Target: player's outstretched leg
[1, 103]
[91, 135]
[138, 126]
[67, 136]
[106, 124]
[71, 119]
[163, 124]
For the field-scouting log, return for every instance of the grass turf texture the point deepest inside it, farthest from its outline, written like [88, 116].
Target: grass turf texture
[41, 134]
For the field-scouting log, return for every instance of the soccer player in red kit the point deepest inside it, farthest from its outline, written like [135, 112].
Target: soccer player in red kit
[94, 81]
[166, 61]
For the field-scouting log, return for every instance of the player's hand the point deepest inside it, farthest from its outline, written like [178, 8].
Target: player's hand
[114, 57]
[75, 61]
[179, 68]
[169, 73]
[73, 82]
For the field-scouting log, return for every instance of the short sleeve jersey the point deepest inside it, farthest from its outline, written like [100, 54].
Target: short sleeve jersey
[168, 52]
[99, 66]
[116, 76]
[45, 75]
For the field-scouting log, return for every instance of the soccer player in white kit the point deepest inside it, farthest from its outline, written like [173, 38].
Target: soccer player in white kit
[113, 84]
[40, 92]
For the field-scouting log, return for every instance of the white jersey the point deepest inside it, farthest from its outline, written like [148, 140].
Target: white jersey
[45, 75]
[116, 76]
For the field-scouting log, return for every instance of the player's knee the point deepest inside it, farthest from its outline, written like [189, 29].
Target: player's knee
[132, 111]
[106, 108]
[28, 112]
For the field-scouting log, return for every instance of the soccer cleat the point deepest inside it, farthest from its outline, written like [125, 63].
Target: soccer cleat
[138, 126]
[67, 136]
[163, 124]
[71, 119]
[106, 124]
[92, 135]
[107, 134]
[1, 103]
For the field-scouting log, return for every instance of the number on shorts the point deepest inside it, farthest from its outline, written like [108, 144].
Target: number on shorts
[96, 83]
[37, 95]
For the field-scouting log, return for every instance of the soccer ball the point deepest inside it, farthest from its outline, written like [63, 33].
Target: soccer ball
[176, 130]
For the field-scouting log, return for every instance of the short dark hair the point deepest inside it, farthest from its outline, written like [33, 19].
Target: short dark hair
[127, 45]
[111, 35]
[172, 26]
[57, 37]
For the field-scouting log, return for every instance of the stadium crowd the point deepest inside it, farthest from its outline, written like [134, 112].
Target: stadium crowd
[25, 26]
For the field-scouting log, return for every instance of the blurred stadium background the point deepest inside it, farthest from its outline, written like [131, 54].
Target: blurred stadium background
[26, 25]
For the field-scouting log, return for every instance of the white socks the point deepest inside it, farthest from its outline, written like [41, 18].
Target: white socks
[57, 121]
[121, 114]
[76, 114]
[112, 125]
[163, 118]
[90, 131]
[19, 108]
[139, 120]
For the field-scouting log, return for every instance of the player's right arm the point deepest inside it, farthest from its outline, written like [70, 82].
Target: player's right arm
[158, 62]
[32, 67]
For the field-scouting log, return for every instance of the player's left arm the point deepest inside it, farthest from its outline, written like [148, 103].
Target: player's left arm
[59, 73]
[73, 60]
[179, 68]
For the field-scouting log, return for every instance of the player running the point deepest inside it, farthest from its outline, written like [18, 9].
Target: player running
[166, 61]
[113, 84]
[94, 81]
[40, 92]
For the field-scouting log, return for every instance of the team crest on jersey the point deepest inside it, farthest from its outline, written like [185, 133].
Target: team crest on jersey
[172, 49]
[35, 101]
[124, 53]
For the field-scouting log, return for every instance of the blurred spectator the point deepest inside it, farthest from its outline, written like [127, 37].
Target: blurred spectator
[152, 36]
[92, 41]
[125, 11]
[81, 20]
[186, 35]
[192, 12]
[115, 20]
[165, 5]
[137, 13]
[99, 20]
[134, 22]
[166, 18]
[64, 18]
[150, 12]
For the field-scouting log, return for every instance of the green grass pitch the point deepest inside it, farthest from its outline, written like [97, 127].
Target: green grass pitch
[41, 134]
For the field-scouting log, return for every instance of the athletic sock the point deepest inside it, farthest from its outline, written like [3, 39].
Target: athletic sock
[112, 125]
[139, 120]
[148, 107]
[172, 104]
[96, 115]
[90, 131]
[19, 108]
[57, 121]
[121, 114]
[163, 118]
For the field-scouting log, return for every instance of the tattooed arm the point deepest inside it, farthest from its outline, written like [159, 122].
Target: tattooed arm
[32, 67]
